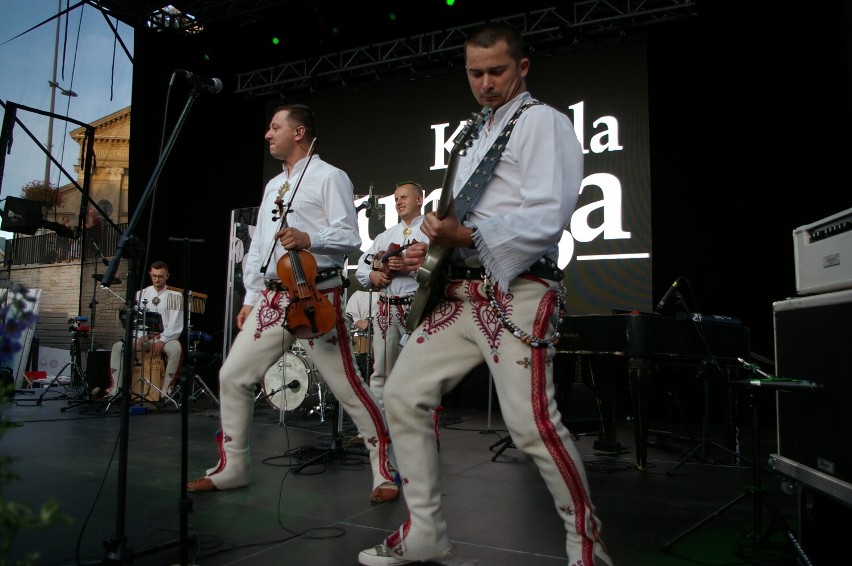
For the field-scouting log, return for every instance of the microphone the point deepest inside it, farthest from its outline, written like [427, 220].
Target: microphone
[293, 385]
[97, 249]
[773, 382]
[672, 290]
[370, 202]
[213, 85]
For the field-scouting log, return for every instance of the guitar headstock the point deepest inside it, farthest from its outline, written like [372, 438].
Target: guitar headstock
[471, 130]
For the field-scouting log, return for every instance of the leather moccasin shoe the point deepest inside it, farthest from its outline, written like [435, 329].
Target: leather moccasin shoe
[203, 484]
[387, 491]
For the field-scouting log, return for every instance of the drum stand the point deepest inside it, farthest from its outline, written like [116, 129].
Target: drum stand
[87, 393]
[197, 387]
[74, 364]
[145, 386]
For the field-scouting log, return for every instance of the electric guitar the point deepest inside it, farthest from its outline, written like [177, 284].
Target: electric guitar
[429, 274]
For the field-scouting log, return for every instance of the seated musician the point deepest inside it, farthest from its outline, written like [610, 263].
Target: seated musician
[168, 305]
[394, 281]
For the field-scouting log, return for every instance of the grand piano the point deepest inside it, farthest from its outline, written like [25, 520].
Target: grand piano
[642, 341]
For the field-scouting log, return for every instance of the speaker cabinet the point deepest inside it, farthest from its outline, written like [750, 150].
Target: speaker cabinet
[813, 341]
[824, 527]
[97, 370]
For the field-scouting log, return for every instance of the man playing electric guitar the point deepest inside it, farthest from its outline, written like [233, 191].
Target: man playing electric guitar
[501, 302]
[393, 279]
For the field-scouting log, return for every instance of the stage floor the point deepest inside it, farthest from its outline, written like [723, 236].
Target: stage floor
[498, 509]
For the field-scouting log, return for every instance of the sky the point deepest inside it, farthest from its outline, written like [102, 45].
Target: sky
[96, 68]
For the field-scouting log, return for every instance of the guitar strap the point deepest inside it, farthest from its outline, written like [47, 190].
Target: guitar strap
[472, 189]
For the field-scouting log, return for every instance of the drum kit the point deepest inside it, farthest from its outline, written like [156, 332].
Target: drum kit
[294, 384]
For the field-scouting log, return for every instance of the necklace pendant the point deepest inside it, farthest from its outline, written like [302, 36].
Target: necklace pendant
[155, 301]
[406, 232]
[284, 188]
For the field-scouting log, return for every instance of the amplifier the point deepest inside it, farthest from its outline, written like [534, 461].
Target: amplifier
[813, 336]
[823, 528]
[822, 252]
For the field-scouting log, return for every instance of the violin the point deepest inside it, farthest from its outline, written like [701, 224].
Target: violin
[380, 259]
[310, 313]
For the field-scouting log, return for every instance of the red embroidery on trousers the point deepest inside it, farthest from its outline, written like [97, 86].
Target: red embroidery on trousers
[271, 310]
[564, 463]
[395, 541]
[223, 458]
[436, 419]
[485, 319]
[357, 384]
[443, 315]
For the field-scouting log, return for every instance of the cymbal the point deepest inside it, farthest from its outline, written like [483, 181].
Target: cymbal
[100, 277]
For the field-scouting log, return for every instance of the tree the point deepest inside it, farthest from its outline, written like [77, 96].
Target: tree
[43, 192]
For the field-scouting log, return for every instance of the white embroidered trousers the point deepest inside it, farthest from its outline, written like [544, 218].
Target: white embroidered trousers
[256, 348]
[458, 335]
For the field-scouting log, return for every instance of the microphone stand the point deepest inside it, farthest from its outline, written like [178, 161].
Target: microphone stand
[118, 550]
[185, 502]
[709, 361]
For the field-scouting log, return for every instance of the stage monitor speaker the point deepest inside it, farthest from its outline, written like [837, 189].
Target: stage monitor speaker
[21, 216]
[813, 342]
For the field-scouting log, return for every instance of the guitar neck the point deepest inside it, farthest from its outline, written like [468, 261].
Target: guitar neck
[462, 141]
[447, 191]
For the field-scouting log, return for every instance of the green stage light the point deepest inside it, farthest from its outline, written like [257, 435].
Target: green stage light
[275, 41]
[451, 2]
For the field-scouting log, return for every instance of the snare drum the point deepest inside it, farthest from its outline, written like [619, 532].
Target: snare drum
[291, 382]
[360, 343]
[152, 367]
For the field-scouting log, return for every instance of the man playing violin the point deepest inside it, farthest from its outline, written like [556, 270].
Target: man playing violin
[393, 279]
[318, 230]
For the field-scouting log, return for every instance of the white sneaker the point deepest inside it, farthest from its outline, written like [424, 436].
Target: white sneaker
[380, 555]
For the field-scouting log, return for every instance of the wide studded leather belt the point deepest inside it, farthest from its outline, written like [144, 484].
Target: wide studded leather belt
[544, 268]
[396, 300]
